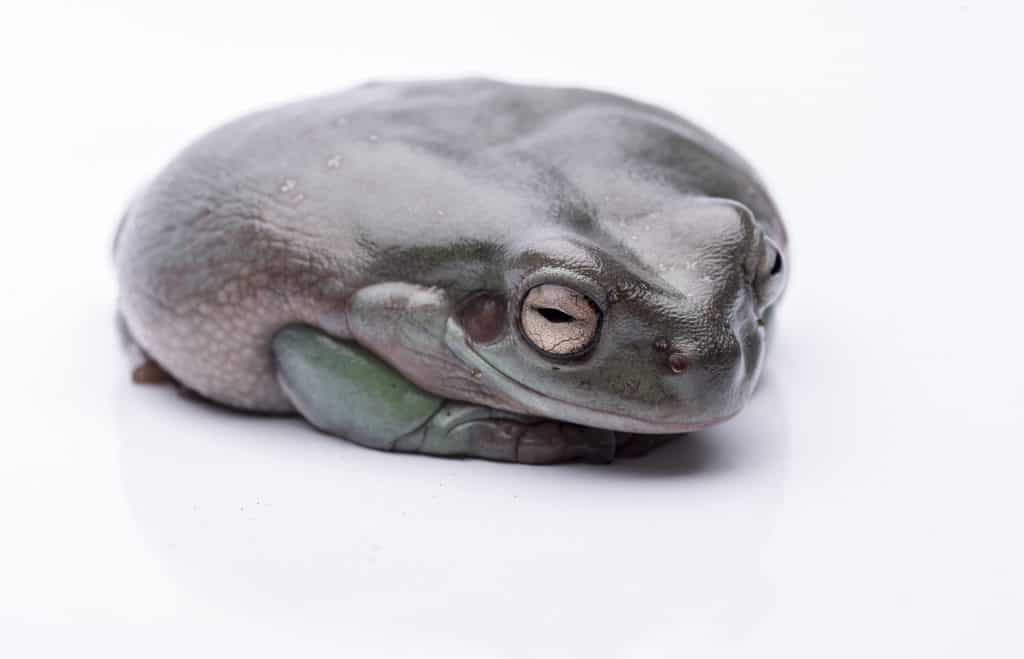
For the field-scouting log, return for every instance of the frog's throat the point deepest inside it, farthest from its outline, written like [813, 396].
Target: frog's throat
[543, 405]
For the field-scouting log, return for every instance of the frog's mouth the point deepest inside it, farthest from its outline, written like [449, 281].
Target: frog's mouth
[541, 404]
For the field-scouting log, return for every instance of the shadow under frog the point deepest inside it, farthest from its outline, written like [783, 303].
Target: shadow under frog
[257, 516]
[460, 268]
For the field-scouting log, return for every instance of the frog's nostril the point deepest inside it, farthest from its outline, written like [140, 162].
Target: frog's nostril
[678, 363]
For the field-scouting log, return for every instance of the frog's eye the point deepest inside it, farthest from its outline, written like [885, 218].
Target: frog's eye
[770, 277]
[559, 320]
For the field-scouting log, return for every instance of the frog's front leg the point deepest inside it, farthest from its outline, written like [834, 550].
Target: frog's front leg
[345, 390]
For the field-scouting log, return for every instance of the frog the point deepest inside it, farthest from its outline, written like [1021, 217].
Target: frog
[463, 268]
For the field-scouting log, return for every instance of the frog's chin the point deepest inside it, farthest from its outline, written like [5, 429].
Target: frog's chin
[540, 404]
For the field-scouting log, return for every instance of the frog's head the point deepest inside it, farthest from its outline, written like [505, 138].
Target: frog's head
[651, 326]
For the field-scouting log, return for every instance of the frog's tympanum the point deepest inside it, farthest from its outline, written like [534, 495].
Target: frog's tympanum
[462, 268]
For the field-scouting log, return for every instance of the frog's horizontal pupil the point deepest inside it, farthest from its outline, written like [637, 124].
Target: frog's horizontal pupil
[553, 315]
[559, 320]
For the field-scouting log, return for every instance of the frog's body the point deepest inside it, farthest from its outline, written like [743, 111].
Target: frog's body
[277, 261]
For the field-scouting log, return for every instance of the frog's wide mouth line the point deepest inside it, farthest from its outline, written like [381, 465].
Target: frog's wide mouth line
[547, 406]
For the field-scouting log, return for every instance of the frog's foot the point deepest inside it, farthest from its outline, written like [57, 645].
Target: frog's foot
[471, 430]
[150, 372]
[345, 390]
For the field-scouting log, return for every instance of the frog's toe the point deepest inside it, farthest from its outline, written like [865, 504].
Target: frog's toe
[553, 441]
[461, 429]
[150, 372]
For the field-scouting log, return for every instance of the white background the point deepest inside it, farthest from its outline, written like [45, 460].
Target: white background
[866, 504]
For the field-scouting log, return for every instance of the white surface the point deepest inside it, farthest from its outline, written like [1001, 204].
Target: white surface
[867, 504]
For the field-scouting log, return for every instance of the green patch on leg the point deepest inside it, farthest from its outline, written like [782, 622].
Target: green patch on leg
[348, 391]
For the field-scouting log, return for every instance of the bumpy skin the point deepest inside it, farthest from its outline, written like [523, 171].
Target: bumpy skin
[373, 218]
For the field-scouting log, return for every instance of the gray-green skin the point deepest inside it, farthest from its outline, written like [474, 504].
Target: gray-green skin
[362, 258]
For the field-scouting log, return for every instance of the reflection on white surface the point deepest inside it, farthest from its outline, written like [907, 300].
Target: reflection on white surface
[267, 517]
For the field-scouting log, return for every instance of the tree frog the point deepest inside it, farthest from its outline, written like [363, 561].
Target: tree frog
[459, 268]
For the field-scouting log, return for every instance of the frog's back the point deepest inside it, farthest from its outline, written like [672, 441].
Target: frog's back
[279, 216]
